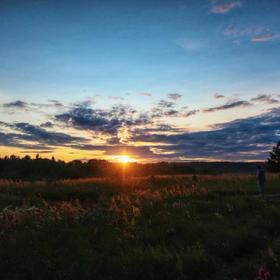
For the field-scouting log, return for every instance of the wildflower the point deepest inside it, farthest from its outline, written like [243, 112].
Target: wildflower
[136, 211]
[263, 274]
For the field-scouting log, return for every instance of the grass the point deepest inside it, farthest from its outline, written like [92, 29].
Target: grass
[165, 227]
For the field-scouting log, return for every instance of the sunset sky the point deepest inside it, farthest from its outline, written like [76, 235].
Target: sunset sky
[154, 80]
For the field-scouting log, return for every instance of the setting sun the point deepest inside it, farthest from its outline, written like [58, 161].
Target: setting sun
[124, 159]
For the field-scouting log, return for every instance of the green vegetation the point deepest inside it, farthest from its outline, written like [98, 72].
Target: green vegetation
[164, 227]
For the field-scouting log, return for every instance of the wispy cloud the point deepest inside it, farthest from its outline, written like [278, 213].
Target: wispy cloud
[225, 7]
[116, 97]
[218, 96]
[230, 31]
[265, 37]
[146, 93]
[19, 104]
[228, 105]
[266, 98]
[189, 113]
[174, 96]
[189, 44]
[16, 104]
[257, 34]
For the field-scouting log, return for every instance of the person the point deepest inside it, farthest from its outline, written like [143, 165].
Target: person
[261, 180]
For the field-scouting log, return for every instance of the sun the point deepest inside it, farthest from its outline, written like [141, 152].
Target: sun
[124, 159]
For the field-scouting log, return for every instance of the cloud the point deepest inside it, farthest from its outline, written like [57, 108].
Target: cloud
[265, 37]
[244, 139]
[266, 98]
[228, 105]
[56, 103]
[164, 108]
[36, 133]
[189, 113]
[116, 97]
[33, 106]
[16, 104]
[145, 93]
[256, 34]
[189, 44]
[33, 137]
[230, 31]
[47, 125]
[166, 104]
[15, 140]
[104, 121]
[218, 96]
[226, 7]
[37, 152]
[174, 96]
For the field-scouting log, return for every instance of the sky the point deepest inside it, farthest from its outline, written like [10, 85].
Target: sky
[155, 80]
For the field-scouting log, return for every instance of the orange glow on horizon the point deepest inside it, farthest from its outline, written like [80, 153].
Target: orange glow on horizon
[124, 159]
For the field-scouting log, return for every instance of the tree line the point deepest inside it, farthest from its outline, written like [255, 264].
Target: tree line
[26, 168]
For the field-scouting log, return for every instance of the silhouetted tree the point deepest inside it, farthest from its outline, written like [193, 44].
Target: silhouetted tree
[273, 162]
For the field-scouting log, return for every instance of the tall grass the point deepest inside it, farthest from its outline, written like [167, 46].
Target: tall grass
[163, 227]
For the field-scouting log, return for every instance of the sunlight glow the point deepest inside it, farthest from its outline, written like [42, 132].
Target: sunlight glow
[124, 159]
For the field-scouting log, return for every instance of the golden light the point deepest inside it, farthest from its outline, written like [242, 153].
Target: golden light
[124, 159]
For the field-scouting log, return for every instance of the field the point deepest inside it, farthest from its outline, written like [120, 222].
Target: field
[163, 227]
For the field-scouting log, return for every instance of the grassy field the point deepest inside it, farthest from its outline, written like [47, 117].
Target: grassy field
[167, 227]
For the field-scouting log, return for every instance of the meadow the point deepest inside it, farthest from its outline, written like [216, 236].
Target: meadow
[159, 227]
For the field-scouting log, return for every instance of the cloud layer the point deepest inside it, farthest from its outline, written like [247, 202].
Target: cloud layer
[148, 133]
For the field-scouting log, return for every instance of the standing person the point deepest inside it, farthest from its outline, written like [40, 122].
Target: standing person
[261, 180]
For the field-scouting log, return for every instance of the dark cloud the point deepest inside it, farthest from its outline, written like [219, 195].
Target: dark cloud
[169, 109]
[163, 108]
[36, 137]
[37, 152]
[16, 104]
[165, 104]
[229, 105]
[242, 139]
[218, 96]
[19, 104]
[189, 113]
[174, 96]
[15, 140]
[266, 98]
[103, 121]
[47, 125]
[36, 133]
[56, 103]
[113, 140]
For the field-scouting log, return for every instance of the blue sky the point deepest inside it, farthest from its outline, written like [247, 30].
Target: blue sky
[135, 54]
